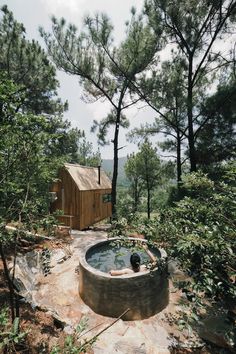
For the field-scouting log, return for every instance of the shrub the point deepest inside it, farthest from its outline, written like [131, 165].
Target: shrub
[200, 232]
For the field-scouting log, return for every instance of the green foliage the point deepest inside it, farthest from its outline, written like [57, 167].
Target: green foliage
[136, 184]
[119, 228]
[197, 184]
[165, 91]
[147, 227]
[83, 324]
[26, 63]
[86, 155]
[216, 142]
[10, 335]
[106, 123]
[160, 199]
[31, 150]
[29, 159]
[125, 205]
[200, 232]
[10, 96]
[90, 54]
[46, 223]
[34, 142]
[145, 172]
[148, 165]
[3, 317]
[197, 28]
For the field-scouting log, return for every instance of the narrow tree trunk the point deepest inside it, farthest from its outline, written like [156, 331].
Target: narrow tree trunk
[115, 164]
[135, 195]
[16, 297]
[9, 283]
[178, 153]
[1, 112]
[192, 154]
[148, 203]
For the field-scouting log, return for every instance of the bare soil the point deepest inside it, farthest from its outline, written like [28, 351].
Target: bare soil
[42, 331]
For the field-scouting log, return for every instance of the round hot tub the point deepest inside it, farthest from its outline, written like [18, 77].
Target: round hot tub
[144, 293]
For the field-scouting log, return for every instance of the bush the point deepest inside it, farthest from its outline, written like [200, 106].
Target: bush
[200, 232]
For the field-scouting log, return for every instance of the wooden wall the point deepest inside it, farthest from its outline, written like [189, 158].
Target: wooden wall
[93, 209]
[81, 208]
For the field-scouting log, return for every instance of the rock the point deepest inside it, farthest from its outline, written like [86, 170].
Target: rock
[68, 330]
[123, 346]
[214, 330]
[58, 256]
[175, 273]
[26, 269]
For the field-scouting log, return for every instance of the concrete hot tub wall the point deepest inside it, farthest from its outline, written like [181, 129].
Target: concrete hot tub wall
[144, 293]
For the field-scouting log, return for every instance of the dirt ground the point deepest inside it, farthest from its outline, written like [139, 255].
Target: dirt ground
[42, 331]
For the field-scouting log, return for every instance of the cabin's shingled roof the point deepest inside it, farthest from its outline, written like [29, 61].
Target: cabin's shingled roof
[86, 178]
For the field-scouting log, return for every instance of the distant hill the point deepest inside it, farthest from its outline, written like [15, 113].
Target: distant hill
[107, 165]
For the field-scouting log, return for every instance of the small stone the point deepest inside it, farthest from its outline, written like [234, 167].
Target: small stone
[68, 330]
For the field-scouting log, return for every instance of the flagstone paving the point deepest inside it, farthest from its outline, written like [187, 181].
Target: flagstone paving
[58, 294]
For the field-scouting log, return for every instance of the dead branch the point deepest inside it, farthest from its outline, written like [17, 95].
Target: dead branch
[27, 233]
[103, 330]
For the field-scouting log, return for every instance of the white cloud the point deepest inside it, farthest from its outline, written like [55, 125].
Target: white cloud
[72, 9]
[75, 10]
[99, 110]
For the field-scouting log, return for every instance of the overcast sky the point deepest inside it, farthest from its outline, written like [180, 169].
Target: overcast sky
[35, 13]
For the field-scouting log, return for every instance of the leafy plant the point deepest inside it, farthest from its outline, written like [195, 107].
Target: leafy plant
[10, 334]
[119, 228]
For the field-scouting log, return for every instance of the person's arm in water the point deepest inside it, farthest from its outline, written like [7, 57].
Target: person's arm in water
[151, 255]
[121, 271]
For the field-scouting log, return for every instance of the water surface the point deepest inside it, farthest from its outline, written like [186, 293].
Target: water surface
[115, 256]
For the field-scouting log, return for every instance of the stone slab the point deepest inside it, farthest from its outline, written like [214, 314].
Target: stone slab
[58, 293]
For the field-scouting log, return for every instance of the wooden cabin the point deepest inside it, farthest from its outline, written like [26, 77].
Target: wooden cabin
[83, 194]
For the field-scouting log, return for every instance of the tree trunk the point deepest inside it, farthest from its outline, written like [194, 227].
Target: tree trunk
[178, 153]
[192, 154]
[115, 164]
[148, 203]
[136, 197]
[9, 283]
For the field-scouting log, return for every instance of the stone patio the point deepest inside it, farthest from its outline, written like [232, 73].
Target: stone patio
[58, 294]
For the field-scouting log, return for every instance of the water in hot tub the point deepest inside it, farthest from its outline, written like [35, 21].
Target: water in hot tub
[116, 256]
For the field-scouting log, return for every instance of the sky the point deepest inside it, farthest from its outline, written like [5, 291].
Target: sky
[35, 13]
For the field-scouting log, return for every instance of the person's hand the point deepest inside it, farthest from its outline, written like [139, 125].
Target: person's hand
[145, 246]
